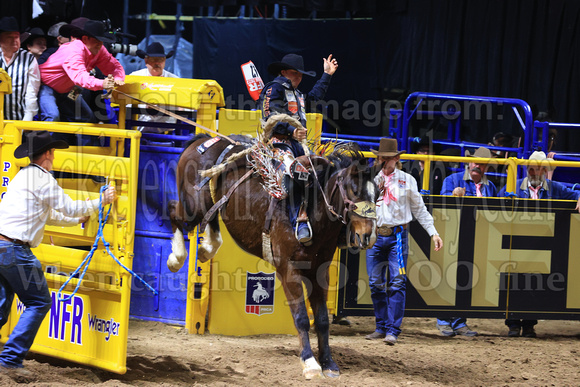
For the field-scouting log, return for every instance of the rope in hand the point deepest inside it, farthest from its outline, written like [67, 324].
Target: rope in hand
[86, 262]
[399, 233]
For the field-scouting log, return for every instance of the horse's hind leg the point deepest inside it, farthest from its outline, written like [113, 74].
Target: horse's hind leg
[317, 300]
[292, 284]
[212, 241]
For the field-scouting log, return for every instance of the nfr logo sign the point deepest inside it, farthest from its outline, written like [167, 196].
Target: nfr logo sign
[66, 316]
[260, 293]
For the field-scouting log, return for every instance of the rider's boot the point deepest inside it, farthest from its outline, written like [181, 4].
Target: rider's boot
[303, 229]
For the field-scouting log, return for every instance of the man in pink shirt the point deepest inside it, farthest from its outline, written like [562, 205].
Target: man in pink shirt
[68, 70]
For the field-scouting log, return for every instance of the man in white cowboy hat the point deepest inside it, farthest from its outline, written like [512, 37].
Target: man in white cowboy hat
[33, 199]
[23, 70]
[67, 71]
[537, 186]
[399, 201]
[281, 96]
[472, 182]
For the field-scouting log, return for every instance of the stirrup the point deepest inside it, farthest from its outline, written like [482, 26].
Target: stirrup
[308, 242]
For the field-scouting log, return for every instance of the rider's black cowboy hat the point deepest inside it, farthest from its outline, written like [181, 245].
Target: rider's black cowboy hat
[37, 142]
[92, 28]
[10, 24]
[289, 62]
[154, 50]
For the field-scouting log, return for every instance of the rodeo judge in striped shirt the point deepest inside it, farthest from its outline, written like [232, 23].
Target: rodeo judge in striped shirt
[399, 200]
[22, 68]
[33, 200]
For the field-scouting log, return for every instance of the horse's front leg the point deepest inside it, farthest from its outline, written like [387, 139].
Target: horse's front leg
[292, 284]
[317, 300]
[178, 252]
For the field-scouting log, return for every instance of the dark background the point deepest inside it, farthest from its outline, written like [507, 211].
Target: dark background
[527, 49]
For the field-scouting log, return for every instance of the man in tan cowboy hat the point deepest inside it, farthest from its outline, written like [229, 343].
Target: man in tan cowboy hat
[537, 186]
[281, 96]
[33, 199]
[399, 201]
[472, 182]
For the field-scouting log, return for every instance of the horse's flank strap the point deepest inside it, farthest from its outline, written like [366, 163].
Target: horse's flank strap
[210, 214]
[219, 160]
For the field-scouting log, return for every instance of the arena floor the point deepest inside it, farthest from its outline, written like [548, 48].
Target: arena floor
[163, 355]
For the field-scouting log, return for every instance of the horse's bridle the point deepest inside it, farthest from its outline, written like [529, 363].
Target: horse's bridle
[364, 209]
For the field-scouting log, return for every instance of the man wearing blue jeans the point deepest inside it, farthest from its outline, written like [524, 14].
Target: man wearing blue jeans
[472, 182]
[33, 199]
[399, 200]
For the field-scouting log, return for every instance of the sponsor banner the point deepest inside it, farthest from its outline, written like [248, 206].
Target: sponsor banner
[501, 258]
[260, 293]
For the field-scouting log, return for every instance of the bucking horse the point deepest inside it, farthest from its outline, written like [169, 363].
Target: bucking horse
[341, 201]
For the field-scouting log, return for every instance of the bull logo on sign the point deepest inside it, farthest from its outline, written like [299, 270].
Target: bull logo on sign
[260, 293]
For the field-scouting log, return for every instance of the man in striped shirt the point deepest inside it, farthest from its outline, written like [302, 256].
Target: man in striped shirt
[22, 68]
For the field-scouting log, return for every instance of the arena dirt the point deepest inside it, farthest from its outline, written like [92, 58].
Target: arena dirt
[164, 355]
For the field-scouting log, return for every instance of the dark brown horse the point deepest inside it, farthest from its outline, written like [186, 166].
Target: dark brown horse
[349, 187]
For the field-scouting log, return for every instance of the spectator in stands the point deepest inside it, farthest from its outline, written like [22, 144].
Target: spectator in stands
[537, 186]
[415, 168]
[155, 58]
[472, 182]
[54, 41]
[33, 199]
[22, 68]
[67, 72]
[35, 43]
[503, 140]
[399, 201]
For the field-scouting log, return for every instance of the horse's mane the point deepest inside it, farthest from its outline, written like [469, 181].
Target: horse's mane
[342, 156]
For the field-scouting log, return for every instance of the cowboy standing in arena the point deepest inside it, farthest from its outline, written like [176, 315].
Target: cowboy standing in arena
[282, 96]
[399, 201]
[33, 199]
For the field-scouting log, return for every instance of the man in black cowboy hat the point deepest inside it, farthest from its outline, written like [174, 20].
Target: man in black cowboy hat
[22, 68]
[67, 71]
[398, 203]
[35, 43]
[155, 58]
[281, 96]
[33, 199]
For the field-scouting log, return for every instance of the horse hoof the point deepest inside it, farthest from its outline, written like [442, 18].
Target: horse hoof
[311, 369]
[331, 374]
[312, 374]
[173, 263]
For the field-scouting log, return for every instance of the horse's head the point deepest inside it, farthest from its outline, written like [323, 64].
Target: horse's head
[358, 195]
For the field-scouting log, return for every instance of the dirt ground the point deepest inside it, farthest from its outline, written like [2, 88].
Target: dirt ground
[164, 355]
